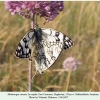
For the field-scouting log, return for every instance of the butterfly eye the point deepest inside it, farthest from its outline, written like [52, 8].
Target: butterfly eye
[65, 47]
[42, 72]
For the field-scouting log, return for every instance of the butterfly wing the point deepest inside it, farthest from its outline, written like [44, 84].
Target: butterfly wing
[49, 49]
[67, 42]
[24, 48]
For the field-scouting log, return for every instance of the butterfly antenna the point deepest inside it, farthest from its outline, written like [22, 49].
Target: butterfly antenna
[50, 77]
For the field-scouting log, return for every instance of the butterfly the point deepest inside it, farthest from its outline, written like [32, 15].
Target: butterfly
[44, 45]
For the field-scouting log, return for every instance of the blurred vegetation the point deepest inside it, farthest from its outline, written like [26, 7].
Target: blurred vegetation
[81, 22]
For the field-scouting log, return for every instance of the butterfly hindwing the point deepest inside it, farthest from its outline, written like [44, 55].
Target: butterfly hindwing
[25, 45]
[47, 53]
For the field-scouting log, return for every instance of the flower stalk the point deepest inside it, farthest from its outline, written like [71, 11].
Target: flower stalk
[68, 80]
[30, 76]
[30, 63]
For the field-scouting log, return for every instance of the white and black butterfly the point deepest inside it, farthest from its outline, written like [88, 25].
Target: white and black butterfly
[44, 45]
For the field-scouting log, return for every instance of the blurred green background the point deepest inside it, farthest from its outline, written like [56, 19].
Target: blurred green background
[81, 22]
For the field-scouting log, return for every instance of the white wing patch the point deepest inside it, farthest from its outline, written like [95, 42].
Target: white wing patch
[45, 45]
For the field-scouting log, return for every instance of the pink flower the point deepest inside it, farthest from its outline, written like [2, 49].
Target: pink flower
[47, 9]
[70, 64]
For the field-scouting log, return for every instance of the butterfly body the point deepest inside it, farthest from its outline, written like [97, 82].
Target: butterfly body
[44, 45]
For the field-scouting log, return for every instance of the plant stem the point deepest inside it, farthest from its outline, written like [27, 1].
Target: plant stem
[30, 64]
[30, 77]
[68, 80]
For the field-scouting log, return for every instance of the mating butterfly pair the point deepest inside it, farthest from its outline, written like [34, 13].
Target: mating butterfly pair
[44, 45]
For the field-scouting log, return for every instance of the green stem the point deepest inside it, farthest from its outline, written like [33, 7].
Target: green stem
[68, 80]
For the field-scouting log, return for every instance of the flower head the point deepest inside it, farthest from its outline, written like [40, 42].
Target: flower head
[70, 64]
[47, 9]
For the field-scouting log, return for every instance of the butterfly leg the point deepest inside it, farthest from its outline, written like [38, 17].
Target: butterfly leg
[30, 58]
